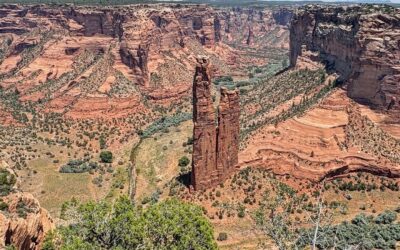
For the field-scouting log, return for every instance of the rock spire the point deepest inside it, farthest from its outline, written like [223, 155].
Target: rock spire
[215, 147]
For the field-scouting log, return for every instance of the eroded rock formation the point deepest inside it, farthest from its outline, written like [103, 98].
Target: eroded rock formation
[23, 222]
[204, 172]
[228, 132]
[215, 149]
[361, 43]
[87, 57]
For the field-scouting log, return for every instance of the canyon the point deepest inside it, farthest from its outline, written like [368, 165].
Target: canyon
[82, 59]
[319, 101]
[357, 48]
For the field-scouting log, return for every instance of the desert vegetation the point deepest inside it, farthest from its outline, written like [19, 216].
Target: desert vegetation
[169, 224]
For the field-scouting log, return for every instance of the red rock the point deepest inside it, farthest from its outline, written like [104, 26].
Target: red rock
[228, 132]
[215, 149]
[204, 172]
[360, 44]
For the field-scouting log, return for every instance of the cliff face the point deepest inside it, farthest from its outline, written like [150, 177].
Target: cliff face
[215, 148]
[359, 42]
[76, 59]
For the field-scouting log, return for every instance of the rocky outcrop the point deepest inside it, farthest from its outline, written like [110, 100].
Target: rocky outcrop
[23, 222]
[361, 43]
[76, 56]
[215, 149]
[26, 223]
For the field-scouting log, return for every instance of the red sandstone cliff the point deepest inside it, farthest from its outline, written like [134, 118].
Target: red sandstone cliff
[78, 58]
[361, 43]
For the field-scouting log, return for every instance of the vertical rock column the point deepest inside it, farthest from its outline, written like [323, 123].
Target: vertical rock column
[204, 172]
[215, 149]
[228, 133]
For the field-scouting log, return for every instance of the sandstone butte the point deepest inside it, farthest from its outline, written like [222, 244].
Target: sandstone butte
[215, 148]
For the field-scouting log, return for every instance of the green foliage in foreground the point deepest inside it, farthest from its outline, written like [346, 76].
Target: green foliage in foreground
[363, 232]
[169, 224]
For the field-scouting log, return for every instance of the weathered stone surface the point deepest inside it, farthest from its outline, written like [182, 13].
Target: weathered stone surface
[23, 231]
[359, 42]
[204, 172]
[228, 132]
[215, 149]
[131, 51]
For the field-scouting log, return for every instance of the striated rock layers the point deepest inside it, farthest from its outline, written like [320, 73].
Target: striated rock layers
[103, 61]
[361, 43]
[215, 149]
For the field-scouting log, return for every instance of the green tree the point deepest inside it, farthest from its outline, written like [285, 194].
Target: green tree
[106, 156]
[169, 224]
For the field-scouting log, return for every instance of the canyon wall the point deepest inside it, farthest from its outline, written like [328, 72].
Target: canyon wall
[77, 59]
[215, 147]
[361, 43]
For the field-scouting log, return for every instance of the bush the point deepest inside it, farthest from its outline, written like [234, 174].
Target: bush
[183, 161]
[170, 224]
[3, 205]
[364, 231]
[106, 156]
[78, 166]
[386, 217]
[222, 236]
[7, 181]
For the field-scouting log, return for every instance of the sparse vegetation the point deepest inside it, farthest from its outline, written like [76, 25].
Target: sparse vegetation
[7, 182]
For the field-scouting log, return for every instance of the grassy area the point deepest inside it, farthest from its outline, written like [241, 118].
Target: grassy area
[156, 158]
[53, 188]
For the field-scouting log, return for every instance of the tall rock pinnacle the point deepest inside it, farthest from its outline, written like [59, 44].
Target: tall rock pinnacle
[215, 148]
[204, 132]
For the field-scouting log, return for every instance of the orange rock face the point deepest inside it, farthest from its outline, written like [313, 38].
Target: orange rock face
[215, 149]
[362, 45]
[228, 132]
[84, 59]
[204, 173]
